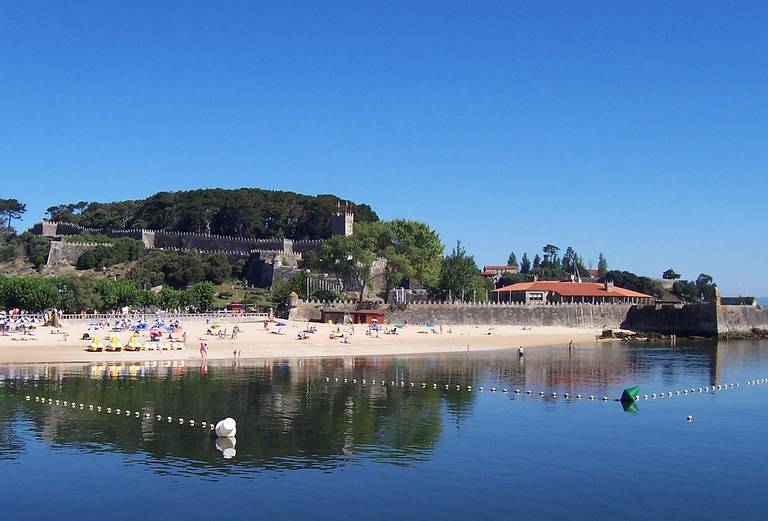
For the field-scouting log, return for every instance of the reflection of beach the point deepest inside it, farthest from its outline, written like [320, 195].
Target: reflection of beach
[253, 341]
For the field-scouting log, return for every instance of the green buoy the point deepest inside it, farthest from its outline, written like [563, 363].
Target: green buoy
[630, 394]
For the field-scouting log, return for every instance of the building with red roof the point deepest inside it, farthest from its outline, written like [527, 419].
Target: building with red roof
[495, 271]
[556, 292]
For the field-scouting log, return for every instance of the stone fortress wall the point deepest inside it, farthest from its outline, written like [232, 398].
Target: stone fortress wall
[62, 253]
[275, 259]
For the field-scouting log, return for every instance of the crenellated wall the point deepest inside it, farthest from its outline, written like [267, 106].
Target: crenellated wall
[62, 252]
[607, 316]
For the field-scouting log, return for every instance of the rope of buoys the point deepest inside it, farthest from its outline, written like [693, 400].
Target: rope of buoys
[209, 426]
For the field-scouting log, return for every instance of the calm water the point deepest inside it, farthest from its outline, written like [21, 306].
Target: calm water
[311, 448]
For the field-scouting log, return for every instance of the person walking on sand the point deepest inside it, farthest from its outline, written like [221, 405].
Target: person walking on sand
[203, 351]
[571, 347]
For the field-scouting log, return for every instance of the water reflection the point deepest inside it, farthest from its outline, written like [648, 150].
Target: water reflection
[290, 417]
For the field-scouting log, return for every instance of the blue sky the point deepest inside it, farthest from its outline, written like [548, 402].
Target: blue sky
[633, 128]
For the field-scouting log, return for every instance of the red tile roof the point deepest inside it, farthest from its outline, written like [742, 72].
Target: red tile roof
[573, 289]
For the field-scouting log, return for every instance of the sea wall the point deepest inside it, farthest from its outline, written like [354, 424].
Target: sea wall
[740, 321]
[684, 320]
[607, 316]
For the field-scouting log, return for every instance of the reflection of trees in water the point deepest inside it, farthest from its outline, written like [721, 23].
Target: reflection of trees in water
[289, 417]
[11, 445]
[285, 420]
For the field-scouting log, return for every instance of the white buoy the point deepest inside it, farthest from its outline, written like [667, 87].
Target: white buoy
[327, 379]
[226, 428]
[541, 393]
[605, 398]
[493, 389]
[479, 388]
[98, 409]
[554, 395]
[109, 410]
[517, 391]
[469, 388]
[591, 397]
[503, 390]
[169, 419]
[528, 392]
[689, 418]
[27, 397]
[578, 397]
[227, 447]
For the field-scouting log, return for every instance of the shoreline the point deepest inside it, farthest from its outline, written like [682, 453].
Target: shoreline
[253, 342]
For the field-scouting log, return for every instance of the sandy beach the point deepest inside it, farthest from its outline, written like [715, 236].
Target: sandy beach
[253, 341]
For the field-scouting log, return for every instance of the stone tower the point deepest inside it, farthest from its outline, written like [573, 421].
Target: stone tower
[343, 220]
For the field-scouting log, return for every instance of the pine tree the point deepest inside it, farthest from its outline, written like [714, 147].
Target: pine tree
[602, 266]
[525, 264]
[512, 260]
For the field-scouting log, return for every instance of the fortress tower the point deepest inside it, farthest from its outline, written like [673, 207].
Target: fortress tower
[343, 220]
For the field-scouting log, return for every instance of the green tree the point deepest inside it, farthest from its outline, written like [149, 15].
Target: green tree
[670, 274]
[352, 257]
[602, 266]
[297, 283]
[37, 249]
[29, 293]
[78, 293]
[459, 277]
[512, 259]
[12, 209]
[536, 262]
[707, 287]
[628, 280]
[525, 264]
[216, 267]
[412, 249]
[200, 296]
[686, 291]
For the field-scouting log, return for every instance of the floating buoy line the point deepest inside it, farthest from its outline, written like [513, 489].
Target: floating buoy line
[570, 396]
[226, 428]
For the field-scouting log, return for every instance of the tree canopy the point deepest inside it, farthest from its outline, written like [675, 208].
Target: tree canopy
[460, 277]
[246, 212]
[11, 209]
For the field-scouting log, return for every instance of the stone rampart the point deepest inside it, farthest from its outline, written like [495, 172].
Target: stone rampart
[62, 252]
[741, 321]
[684, 320]
[607, 316]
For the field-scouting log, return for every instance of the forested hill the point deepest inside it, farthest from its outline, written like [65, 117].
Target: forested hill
[246, 212]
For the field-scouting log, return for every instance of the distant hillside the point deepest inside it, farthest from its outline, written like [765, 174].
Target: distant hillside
[247, 212]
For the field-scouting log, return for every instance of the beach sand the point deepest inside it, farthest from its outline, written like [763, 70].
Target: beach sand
[49, 344]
